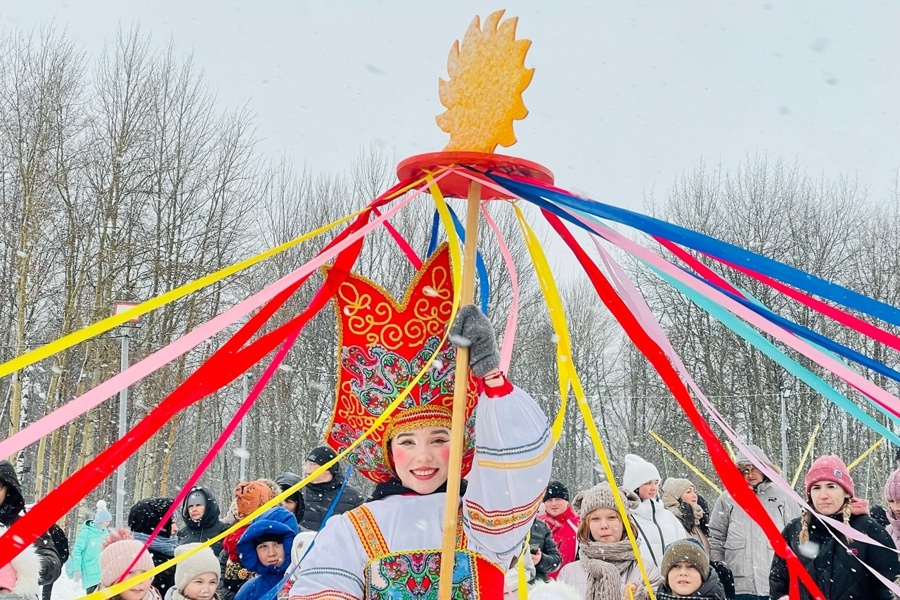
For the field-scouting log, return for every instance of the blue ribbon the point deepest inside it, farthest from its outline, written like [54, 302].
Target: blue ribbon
[484, 289]
[708, 245]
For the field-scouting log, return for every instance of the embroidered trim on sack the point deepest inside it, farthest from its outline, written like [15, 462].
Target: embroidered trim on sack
[500, 521]
[483, 450]
[521, 464]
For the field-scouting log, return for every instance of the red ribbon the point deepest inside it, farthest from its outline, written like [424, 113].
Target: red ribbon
[223, 367]
[732, 479]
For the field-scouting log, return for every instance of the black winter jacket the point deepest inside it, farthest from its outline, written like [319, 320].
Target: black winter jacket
[837, 572]
[10, 511]
[209, 525]
[317, 498]
[143, 518]
[550, 556]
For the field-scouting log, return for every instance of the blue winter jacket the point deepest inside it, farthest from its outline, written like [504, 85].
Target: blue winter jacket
[279, 521]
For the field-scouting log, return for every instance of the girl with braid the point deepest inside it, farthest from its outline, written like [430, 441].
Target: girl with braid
[821, 548]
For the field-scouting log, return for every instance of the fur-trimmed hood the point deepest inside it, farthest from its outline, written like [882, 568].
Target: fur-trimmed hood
[28, 571]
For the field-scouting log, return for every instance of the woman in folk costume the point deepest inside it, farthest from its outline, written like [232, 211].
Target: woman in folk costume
[390, 546]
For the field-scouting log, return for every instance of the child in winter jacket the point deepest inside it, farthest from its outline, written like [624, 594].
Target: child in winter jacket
[19, 578]
[265, 549]
[84, 563]
[119, 551]
[687, 574]
[657, 527]
[197, 576]
[248, 496]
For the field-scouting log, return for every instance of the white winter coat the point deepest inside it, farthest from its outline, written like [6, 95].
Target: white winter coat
[657, 528]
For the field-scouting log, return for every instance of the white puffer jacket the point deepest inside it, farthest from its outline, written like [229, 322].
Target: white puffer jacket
[657, 528]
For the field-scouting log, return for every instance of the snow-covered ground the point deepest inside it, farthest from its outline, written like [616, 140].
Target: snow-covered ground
[66, 589]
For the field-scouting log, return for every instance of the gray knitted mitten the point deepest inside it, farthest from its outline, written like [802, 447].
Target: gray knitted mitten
[472, 329]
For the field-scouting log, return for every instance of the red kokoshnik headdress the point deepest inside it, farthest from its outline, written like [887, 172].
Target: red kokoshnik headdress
[382, 346]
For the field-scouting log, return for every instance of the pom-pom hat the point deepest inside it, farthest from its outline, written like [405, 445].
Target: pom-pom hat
[102, 515]
[892, 486]
[119, 550]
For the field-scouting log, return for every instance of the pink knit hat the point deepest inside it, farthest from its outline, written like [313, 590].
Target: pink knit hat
[829, 468]
[892, 487]
[8, 577]
[119, 549]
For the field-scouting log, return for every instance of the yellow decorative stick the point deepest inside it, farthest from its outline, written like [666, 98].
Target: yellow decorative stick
[863, 456]
[685, 461]
[806, 452]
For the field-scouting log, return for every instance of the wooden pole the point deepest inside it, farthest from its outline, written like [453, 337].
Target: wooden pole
[460, 389]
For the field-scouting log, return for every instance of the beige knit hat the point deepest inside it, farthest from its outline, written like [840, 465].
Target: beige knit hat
[676, 487]
[119, 549]
[204, 561]
[601, 496]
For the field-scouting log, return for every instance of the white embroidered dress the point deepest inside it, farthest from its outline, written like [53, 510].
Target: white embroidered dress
[390, 548]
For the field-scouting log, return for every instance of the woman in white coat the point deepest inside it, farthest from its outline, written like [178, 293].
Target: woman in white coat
[657, 527]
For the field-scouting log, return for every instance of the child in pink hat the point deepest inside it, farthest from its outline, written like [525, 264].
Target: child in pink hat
[821, 548]
[119, 550]
[892, 497]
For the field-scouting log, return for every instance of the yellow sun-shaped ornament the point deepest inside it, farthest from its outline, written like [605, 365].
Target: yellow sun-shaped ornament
[484, 94]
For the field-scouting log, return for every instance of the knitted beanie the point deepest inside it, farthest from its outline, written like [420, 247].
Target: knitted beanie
[102, 515]
[250, 495]
[601, 496]
[322, 455]
[556, 489]
[687, 550]
[8, 577]
[892, 487]
[676, 487]
[204, 561]
[829, 468]
[638, 472]
[119, 549]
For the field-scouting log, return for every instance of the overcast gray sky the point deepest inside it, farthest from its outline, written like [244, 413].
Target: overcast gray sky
[625, 95]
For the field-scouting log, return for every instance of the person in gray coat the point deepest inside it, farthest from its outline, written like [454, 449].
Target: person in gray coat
[738, 541]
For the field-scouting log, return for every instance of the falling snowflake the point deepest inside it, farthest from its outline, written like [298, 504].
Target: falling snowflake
[241, 453]
[458, 340]
[430, 291]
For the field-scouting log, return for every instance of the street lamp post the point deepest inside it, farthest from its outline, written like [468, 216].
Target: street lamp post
[784, 452]
[243, 455]
[120, 307]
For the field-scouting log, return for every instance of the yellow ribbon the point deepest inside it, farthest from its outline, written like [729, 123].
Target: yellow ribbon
[108, 323]
[129, 583]
[863, 456]
[685, 461]
[568, 376]
[803, 458]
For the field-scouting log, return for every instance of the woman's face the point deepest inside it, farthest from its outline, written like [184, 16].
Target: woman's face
[201, 587]
[827, 497]
[649, 490]
[140, 590]
[606, 526]
[421, 458]
[689, 495]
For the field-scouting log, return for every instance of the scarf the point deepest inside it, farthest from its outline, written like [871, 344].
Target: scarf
[894, 527]
[605, 564]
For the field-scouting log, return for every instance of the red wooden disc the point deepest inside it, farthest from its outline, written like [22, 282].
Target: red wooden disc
[457, 186]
